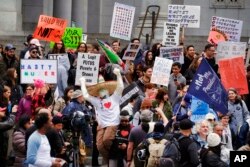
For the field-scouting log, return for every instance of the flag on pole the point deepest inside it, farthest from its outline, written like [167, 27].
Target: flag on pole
[111, 55]
[207, 87]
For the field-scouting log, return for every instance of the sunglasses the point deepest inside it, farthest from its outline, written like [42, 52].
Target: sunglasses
[34, 52]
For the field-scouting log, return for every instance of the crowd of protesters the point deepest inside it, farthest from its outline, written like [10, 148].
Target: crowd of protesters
[32, 122]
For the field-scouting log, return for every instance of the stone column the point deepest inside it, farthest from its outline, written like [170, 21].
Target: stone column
[80, 13]
[63, 9]
[148, 23]
[10, 17]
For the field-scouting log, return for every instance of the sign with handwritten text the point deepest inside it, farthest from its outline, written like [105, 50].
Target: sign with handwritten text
[187, 16]
[88, 67]
[232, 28]
[50, 28]
[171, 34]
[122, 21]
[38, 69]
[230, 50]
[173, 53]
[72, 37]
[161, 71]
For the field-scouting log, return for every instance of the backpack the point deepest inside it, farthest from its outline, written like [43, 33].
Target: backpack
[155, 149]
[171, 152]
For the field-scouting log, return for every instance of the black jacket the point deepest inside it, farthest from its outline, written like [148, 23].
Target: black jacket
[210, 159]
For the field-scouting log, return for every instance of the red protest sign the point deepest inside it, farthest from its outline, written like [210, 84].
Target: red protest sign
[233, 74]
[215, 36]
[50, 28]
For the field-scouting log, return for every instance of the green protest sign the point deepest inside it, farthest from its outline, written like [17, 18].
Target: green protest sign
[71, 38]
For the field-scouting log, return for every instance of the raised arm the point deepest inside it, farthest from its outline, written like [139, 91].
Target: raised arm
[120, 85]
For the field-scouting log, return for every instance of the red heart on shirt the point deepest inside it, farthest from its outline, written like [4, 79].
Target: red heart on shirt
[124, 133]
[107, 105]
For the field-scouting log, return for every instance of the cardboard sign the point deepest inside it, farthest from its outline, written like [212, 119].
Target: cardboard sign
[38, 69]
[233, 74]
[171, 34]
[88, 67]
[128, 92]
[232, 28]
[50, 28]
[122, 21]
[62, 59]
[84, 38]
[187, 16]
[161, 71]
[230, 50]
[131, 51]
[72, 37]
[173, 53]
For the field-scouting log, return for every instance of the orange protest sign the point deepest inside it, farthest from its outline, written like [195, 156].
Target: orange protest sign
[216, 36]
[233, 74]
[50, 28]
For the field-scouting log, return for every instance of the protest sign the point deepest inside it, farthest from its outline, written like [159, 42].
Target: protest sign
[128, 92]
[215, 36]
[207, 87]
[50, 28]
[122, 21]
[161, 71]
[131, 51]
[230, 50]
[38, 69]
[171, 34]
[187, 16]
[233, 74]
[72, 37]
[232, 28]
[62, 59]
[173, 53]
[88, 67]
[84, 38]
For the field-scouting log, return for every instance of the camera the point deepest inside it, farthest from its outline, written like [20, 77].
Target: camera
[141, 155]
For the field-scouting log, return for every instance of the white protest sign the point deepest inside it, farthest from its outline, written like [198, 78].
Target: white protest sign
[232, 28]
[38, 69]
[131, 51]
[62, 59]
[88, 67]
[171, 34]
[122, 21]
[230, 50]
[173, 53]
[161, 71]
[187, 16]
[84, 38]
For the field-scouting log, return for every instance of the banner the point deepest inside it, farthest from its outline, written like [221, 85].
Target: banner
[131, 51]
[128, 92]
[88, 67]
[187, 16]
[232, 28]
[173, 53]
[50, 28]
[207, 87]
[171, 34]
[233, 74]
[38, 69]
[62, 59]
[230, 50]
[122, 21]
[161, 71]
[199, 109]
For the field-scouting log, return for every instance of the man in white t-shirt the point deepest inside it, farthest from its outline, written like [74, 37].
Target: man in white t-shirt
[107, 109]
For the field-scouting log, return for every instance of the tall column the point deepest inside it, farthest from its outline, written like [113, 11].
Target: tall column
[148, 23]
[10, 17]
[62, 9]
[80, 13]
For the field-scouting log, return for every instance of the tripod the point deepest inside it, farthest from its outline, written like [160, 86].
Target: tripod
[75, 142]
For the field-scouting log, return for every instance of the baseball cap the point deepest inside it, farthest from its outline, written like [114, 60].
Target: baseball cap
[35, 41]
[186, 124]
[9, 46]
[77, 93]
[209, 116]
[213, 140]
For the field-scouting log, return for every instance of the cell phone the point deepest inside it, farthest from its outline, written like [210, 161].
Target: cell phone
[175, 79]
[153, 110]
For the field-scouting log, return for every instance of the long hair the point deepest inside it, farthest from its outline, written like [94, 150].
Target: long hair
[3, 100]
[147, 61]
[194, 65]
[57, 50]
[65, 96]
[10, 74]
[160, 94]
[82, 43]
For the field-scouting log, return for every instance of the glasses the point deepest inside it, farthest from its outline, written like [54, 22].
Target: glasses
[34, 52]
